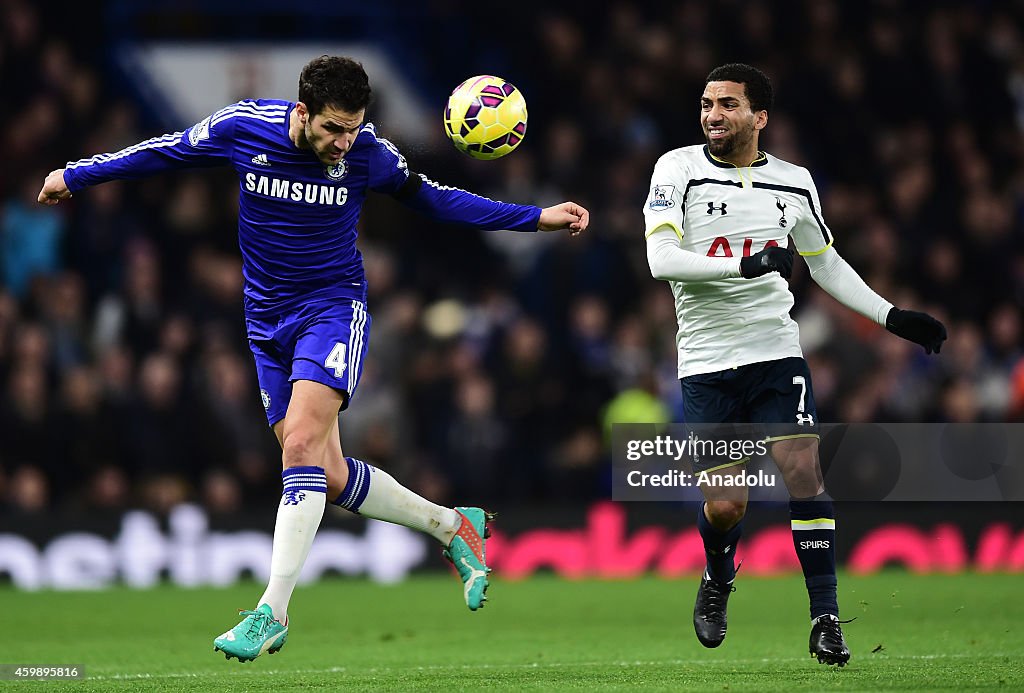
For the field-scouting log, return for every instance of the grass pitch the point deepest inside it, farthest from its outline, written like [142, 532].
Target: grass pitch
[912, 632]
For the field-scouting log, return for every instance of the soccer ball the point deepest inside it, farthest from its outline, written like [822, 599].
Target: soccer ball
[485, 117]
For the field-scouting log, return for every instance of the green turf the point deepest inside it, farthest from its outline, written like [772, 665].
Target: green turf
[931, 632]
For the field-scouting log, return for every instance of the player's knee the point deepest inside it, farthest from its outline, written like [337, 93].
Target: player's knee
[300, 449]
[725, 514]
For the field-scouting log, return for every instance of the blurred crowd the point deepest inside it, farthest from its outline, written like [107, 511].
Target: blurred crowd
[498, 360]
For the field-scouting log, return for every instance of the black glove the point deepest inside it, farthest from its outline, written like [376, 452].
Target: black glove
[917, 327]
[772, 259]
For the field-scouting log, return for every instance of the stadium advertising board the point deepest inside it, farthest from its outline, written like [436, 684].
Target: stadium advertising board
[604, 540]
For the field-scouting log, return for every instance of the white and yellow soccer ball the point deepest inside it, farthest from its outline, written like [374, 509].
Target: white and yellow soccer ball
[485, 117]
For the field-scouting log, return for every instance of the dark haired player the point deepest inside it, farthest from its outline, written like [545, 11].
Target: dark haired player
[305, 169]
[718, 221]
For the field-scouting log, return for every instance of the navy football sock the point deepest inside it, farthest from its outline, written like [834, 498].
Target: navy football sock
[719, 547]
[814, 537]
[357, 486]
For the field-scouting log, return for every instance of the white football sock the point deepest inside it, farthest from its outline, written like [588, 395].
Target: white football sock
[298, 518]
[374, 493]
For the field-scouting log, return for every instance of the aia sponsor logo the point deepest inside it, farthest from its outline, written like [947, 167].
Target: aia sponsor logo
[720, 247]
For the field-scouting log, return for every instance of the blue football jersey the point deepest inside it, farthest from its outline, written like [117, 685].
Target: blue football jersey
[297, 218]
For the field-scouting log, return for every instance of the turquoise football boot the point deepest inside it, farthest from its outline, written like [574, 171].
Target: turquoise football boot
[257, 633]
[467, 553]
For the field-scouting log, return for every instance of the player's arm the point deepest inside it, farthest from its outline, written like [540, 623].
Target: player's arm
[390, 174]
[668, 261]
[833, 274]
[456, 206]
[207, 143]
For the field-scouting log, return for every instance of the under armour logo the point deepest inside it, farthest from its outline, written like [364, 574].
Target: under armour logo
[721, 208]
[293, 497]
[802, 419]
[782, 208]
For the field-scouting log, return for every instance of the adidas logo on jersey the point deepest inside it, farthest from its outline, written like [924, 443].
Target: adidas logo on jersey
[261, 160]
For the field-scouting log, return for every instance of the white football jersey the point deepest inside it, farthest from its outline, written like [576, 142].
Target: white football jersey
[718, 209]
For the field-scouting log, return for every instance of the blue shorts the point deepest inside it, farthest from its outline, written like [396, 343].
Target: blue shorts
[323, 341]
[775, 396]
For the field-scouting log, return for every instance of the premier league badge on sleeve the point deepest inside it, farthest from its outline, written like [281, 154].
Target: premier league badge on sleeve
[661, 197]
[336, 171]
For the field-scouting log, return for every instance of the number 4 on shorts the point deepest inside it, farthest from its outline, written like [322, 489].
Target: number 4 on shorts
[336, 360]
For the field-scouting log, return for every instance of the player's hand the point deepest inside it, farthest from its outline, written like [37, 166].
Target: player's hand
[567, 215]
[54, 188]
[772, 259]
[917, 327]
